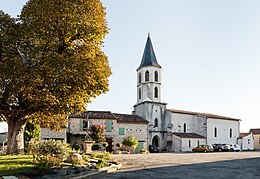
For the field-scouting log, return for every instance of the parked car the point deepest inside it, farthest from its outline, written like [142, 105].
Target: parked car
[203, 148]
[234, 147]
[154, 149]
[221, 147]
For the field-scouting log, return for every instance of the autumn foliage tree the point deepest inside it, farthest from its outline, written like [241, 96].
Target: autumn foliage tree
[51, 63]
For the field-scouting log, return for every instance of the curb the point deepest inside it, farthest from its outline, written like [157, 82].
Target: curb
[109, 169]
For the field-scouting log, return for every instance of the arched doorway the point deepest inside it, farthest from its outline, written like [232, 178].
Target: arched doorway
[155, 141]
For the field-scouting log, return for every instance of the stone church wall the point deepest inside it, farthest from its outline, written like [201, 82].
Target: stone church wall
[223, 131]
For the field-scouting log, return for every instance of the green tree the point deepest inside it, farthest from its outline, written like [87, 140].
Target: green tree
[32, 131]
[130, 142]
[51, 63]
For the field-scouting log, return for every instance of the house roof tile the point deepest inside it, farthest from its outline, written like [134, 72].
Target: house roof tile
[124, 118]
[203, 114]
[255, 131]
[188, 135]
[130, 118]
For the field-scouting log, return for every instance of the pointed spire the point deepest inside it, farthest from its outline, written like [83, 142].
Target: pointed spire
[149, 58]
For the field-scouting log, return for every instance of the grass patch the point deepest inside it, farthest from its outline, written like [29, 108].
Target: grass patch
[15, 164]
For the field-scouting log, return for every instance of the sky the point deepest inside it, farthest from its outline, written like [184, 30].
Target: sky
[209, 51]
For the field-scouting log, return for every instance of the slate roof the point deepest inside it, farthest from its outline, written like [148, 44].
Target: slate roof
[127, 118]
[203, 114]
[130, 118]
[255, 131]
[188, 135]
[149, 58]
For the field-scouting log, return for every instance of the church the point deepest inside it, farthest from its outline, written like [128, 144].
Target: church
[151, 123]
[176, 130]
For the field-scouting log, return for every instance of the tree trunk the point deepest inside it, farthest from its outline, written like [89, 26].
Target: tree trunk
[15, 144]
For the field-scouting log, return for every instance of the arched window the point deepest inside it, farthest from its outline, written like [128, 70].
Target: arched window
[198, 142]
[156, 76]
[184, 127]
[215, 132]
[147, 76]
[189, 143]
[139, 93]
[156, 92]
[230, 133]
[139, 78]
[156, 122]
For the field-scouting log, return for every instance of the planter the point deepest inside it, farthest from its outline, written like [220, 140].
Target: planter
[87, 146]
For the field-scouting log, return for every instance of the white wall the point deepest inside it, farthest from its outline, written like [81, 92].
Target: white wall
[223, 131]
[194, 143]
[194, 124]
[247, 142]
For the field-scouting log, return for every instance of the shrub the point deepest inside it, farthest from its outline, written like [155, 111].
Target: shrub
[95, 146]
[48, 153]
[105, 155]
[86, 158]
[130, 142]
[75, 146]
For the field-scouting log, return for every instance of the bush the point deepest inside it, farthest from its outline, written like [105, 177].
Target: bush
[86, 158]
[75, 146]
[95, 147]
[130, 142]
[105, 155]
[48, 153]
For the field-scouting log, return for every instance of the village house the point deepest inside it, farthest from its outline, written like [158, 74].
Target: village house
[256, 136]
[246, 141]
[117, 128]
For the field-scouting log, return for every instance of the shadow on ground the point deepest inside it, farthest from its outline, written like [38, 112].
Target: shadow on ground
[228, 169]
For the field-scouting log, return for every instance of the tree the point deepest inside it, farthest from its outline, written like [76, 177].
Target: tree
[51, 63]
[96, 133]
[130, 142]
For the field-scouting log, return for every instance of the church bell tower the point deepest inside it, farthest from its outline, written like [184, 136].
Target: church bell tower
[150, 105]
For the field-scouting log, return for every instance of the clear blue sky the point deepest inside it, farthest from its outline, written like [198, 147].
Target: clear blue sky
[209, 51]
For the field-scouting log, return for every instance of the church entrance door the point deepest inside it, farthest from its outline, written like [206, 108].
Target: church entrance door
[155, 141]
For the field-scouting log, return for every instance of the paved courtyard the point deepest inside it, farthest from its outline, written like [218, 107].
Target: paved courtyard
[244, 165]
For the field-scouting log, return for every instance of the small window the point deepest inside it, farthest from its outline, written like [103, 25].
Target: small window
[156, 122]
[121, 131]
[147, 76]
[184, 127]
[156, 92]
[84, 125]
[215, 132]
[139, 93]
[248, 141]
[189, 143]
[156, 76]
[109, 125]
[139, 78]
[230, 133]
[198, 142]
